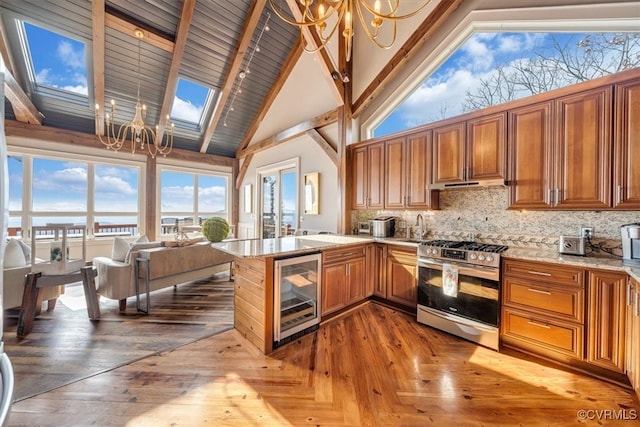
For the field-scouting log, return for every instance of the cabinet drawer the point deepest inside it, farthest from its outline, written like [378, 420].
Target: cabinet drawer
[552, 337]
[343, 254]
[558, 274]
[562, 302]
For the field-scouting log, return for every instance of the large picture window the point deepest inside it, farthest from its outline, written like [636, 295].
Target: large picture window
[188, 198]
[99, 197]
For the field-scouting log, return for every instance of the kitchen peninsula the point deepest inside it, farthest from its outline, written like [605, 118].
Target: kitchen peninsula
[254, 269]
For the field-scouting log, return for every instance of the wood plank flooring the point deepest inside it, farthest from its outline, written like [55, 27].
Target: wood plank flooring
[373, 366]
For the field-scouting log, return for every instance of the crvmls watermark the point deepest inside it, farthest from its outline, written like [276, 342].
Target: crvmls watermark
[608, 414]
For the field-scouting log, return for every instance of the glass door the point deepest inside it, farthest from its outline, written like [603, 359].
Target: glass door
[279, 204]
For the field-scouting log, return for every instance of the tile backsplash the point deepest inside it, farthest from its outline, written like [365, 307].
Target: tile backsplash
[482, 213]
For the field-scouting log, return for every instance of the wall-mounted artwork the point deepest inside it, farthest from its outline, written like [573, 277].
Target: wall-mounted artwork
[311, 193]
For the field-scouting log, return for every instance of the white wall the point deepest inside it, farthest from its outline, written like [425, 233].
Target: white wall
[312, 159]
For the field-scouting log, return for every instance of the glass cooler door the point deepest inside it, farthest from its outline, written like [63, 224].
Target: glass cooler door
[296, 295]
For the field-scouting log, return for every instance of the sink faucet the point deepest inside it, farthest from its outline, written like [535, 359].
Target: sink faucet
[420, 223]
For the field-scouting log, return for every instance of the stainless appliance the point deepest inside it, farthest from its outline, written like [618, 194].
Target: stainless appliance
[459, 289]
[571, 245]
[296, 297]
[631, 243]
[364, 227]
[384, 226]
[6, 370]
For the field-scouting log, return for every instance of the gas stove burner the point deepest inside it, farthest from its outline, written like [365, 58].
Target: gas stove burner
[469, 246]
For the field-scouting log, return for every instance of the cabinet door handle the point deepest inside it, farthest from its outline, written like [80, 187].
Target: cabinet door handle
[539, 291]
[557, 196]
[540, 325]
[550, 196]
[538, 273]
[630, 292]
[619, 194]
[637, 302]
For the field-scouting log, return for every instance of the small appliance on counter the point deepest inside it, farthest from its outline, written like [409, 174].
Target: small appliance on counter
[384, 226]
[364, 227]
[631, 243]
[571, 245]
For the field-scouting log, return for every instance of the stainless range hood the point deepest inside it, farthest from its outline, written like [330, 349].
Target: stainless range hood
[468, 184]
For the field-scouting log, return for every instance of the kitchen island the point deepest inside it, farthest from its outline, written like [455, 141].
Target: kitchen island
[254, 261]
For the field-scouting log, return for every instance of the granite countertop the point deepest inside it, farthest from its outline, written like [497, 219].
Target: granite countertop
[255, 248]
[589, 261]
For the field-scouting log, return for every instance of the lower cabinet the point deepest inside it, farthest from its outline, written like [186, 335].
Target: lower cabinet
[632, 336]
[401, 275]
[343, 277]
[606, 321]
[380, 270]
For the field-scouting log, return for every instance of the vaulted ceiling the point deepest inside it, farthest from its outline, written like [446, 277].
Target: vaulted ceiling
[206, 41]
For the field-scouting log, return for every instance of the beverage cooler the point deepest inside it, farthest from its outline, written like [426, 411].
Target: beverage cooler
[296, 297]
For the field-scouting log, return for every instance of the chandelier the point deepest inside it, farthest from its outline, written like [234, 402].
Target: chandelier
[343, 11]
[135, 132]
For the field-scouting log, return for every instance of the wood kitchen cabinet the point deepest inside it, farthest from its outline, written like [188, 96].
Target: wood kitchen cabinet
[472, 150]
[343, 277]
[582, 155]
[566, 169]
[407, 171]
[530, 139]
[543, 309]
[380, 272]
[627, 146]
[607, 317]
[368, 167]
[401, 275]
[632, 337]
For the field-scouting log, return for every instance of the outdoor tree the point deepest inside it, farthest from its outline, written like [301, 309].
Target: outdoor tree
[555, 65]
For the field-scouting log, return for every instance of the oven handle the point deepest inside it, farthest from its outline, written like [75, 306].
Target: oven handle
[458, 319]
[479, 271]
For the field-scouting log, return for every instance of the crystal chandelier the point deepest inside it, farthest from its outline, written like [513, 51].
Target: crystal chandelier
[135, 132]
[343, 11]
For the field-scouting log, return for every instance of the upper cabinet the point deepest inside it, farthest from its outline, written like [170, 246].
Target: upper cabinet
[583, 151]
[407, 171]
[626, 143]
[470, 152]
[560, 153]
[368, 176]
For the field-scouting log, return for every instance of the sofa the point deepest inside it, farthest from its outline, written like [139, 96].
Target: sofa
[167, 266]
[16, 265]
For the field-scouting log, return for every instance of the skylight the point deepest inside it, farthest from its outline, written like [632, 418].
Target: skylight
[191, 101]
[55, 62]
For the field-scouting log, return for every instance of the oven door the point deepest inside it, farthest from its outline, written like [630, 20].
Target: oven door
[478, 291]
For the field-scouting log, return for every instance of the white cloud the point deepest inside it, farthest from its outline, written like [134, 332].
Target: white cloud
[185, 110]
[82, 90]
[69, 56]
[43, 76]
[479, 54]
[113, 184]
[509, 44]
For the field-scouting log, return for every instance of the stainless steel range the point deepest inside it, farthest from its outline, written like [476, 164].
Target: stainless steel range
[459, 289]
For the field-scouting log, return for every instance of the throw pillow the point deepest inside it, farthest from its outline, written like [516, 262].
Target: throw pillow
[138, 246]
[120, 249]
[13, 255]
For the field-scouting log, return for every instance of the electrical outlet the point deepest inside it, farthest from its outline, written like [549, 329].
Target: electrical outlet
[586, 232]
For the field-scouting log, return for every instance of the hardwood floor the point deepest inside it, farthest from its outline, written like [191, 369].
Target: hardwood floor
[373, 366]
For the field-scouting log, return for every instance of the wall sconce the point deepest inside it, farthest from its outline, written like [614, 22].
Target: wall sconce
[311, 192]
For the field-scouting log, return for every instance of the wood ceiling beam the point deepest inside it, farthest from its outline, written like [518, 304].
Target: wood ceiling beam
[98, 17]
[188, 7]
[250, 24]
[23, 108]
[281, 79]
[431, 23]
[323, 56]
[243, 170]
[324, 144]
[55, 135]
[119, 24]
[295, 131]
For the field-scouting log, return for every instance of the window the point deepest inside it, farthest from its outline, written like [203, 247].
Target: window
[278, 199]
[491, 68]
[188, 198]
[96, 195]
[56, 64]
[192, 100]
